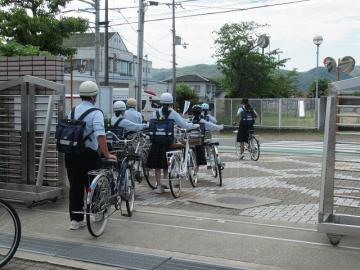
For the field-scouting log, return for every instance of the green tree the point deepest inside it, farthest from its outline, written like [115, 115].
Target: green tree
[248, 72]
[322, 88]
[33, 22]
[184, 92]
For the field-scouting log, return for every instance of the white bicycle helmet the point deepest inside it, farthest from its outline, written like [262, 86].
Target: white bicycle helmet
[119, 106]
[88, 89]
[166, 98]
[205, 106]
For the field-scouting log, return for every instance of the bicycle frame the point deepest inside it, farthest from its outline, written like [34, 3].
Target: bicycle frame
[182, 155]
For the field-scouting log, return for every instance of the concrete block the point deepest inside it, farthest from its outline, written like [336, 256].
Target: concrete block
[38, 73]
[3, 63]
[13, 64]
[27, 68]
[26, 63]
[39, 63]
[38, 58]
[13, 59]
[39, 68]
[50, 68]
[13, 73]
[3, 68]
[50, 62]
[50, 72]
[13, 68]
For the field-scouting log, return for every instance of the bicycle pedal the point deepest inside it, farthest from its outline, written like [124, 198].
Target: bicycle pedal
[208, 167]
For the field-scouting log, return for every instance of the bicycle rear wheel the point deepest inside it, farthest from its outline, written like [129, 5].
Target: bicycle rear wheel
[254, 148]
[10, 232]
[213, 161]
[192, 168]
[129, 192]
[146, 171]
[98, 206]
[174, 177]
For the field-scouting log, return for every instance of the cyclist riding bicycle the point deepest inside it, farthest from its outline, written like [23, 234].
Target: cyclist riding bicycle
[247, 116]
[206, 115]
[199, 119]
[157, 155]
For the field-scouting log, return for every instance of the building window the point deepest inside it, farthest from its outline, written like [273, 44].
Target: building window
[124, 68]
[196, 88]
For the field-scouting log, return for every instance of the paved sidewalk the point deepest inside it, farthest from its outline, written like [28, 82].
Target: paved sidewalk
[22, 264]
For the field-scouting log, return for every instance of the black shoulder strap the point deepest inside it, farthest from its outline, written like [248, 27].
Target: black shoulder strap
[157, 115]
[87, 112]
[72, 115]
[116, 124]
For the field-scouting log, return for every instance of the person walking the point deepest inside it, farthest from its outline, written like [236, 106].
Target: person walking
[247, 115]
[198, 118]
[119, 121]
[78, 165]
[131, 113]
[157, 154]
[206, 115]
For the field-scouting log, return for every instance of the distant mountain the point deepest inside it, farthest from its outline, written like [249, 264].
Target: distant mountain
[303, 83]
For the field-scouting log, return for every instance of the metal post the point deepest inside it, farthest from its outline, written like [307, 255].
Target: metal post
[71, 83]
[174, 52]
[317, 72]
[97, 41]
[106, 75]
[280, 111]
[138, 84]
[261, 112]
[231, 112]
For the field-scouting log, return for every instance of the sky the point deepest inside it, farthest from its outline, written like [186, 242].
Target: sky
[291, 28]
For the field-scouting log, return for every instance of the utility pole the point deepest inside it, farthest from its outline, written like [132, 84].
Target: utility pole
[97, 41]
[140, 49]
[106, 62]
[174, 52]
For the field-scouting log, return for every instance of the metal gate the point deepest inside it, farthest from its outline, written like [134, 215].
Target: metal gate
[339, 210]
[31, 169]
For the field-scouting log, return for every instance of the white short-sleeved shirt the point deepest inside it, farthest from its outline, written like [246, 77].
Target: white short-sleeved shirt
[176, 117]
[94, 122]
[127, 124]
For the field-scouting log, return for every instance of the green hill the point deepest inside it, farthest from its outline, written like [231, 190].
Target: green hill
[304, 79]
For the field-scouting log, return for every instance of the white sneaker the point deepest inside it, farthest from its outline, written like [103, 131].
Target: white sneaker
[76, 225]
[159, 190]
[242, 156]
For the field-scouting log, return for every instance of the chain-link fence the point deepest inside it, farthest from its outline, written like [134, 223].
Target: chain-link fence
[279, 113]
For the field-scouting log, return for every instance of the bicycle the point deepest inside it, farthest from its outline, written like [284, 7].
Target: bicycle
[252, 146]
[181, 163]
[10, 232]
[111, 185]
[213, 158]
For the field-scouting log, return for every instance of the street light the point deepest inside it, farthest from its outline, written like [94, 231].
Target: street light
[318, 40]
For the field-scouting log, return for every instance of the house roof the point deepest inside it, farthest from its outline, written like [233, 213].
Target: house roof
[84, 40]
[191, 78]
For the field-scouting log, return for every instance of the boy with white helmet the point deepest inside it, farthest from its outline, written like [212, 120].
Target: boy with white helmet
[157, 155]
[206, 115]
[131, 113]
[78, 165]
[118, 120]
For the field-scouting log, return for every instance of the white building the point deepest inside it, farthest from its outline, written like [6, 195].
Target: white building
[204, 87]
[122, 64]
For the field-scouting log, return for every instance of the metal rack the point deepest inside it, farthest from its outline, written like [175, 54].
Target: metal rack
[31, 169]
[339, 210]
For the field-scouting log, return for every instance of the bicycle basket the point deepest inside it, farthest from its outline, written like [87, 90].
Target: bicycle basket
[195, 137]
[127, 148]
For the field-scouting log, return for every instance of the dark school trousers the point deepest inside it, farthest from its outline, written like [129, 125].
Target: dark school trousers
[77, 167]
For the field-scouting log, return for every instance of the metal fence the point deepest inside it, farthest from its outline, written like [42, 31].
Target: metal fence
[273, 113]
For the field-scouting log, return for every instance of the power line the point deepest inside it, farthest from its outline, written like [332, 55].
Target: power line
[220, 12]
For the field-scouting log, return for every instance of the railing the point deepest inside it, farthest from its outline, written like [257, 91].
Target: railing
[273, 113]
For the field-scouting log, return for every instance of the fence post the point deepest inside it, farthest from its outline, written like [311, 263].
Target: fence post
[231, 112]
[280, 103]
[261, 112]
[215, 112]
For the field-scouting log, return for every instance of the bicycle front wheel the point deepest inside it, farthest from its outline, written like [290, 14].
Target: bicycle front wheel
[174, 177]
[254, 148]
[213, 161]
[10, 232]
[192, 168]
[98, 206]
[237, 149]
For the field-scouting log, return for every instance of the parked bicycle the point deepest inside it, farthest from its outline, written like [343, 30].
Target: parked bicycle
[10, 232]
[252, 146]
[112, 185]
[181, 163]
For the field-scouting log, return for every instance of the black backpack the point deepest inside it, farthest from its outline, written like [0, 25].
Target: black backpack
[69, 133]
[162, 130]
[247, 118]
[119, 131]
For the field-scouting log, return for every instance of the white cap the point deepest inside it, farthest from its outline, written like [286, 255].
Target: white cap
[88, 89]
[131, 103]
[166, 98]
[119, 106]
